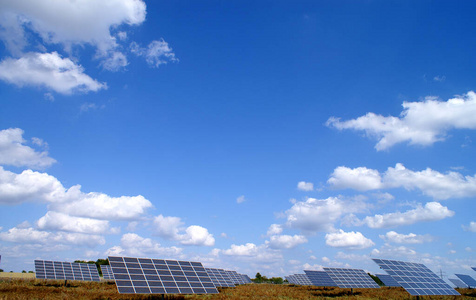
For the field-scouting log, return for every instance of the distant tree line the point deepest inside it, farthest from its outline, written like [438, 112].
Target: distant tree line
[263, 279]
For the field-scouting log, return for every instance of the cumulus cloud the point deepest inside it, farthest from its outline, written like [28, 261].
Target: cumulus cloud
[315, 215]
[411, 238]
[351, 240]
[432, 211]
[34, 236]
[274, 229]
[135, 245]
[471, 227]
[172, 228]
[252, 253]
[63, 222]
[432, 183]
[68, 23]
[240, 199]
[305, 186]
[156, 53]
[14, 152]
[31, 186]
[420, 123]
[48, 70]
[286, 241]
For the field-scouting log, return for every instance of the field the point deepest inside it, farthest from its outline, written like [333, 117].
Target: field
[41, 289]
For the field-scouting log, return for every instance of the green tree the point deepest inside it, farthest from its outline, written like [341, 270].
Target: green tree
[258, 278]
[1, 270]
[276, 280]
[23, 271]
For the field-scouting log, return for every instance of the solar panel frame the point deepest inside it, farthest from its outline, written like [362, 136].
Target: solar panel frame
[468, 280]
[57, 270]
[319, 278]
[458, 283]
[158, 276]
[415, 278]
[107, 272]
[302, 279]
[246, 278]
[235, 277]
[388, 280]
[351, 278]
[219, 277]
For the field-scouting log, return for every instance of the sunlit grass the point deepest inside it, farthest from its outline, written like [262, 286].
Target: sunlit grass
[56, 289]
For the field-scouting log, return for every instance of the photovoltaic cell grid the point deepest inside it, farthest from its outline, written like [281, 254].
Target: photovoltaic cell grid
[302, 279]
[415, 278]
[158, 276]
[470, 282]
[458, 283]
[219, 277]
[45, 269]
[320, 278]
[387, 280]
[351, 278]
[246, 278]
[291, 279]
[107, 272]
[474, 268]
[235, 277]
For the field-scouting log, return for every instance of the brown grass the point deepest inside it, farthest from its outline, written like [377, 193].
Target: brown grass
[41, 289]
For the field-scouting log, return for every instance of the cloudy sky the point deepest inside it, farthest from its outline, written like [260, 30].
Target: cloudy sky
[258, 136]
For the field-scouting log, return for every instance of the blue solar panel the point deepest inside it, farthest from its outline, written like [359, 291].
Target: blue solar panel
[387, 280]
[107, 272]
[415, 278]
[219, 277]
[291, 279]
[302, 279]
[474, 268]
[45, 269]
[458, 283]
[470, 282]
[351, 278]
[246, 278]
[320, 278]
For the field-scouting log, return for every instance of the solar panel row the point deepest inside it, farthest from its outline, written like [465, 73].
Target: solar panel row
[468, 280]
[245, 278]
[388, 280]
[158, 276]
[107, 272]
[415, 278]
[219, 277]
[320, 278]
[351, 278]
[458, 283]
[45, 269]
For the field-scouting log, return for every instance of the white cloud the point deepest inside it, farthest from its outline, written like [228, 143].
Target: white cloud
[432, 211]
[274, 229]
[31, 186]
[430, 182]
[240, 199]
[315, 215]
[33, 236]
[157, 53]
[172, 228]
[361, 179]
[68, 22]
[411, 238]
[305, 186]
[286, 241]
[63, 222]
[14, 152]
[420, 123]
[48, 70]
[471, 227]
[351, 240]
[115, 61]
[249, 249]
[135, 245]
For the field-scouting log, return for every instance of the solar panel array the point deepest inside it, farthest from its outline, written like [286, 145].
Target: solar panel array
[351, 278]
[302, 279]
[219, 277]
[468, 280]
[388, 280]
[107, 272]
[45, 269]
[416, 278]
[246, 278]
[458, 283]
[474, 268]
[158, 276]
[320, 278]
[235, 277]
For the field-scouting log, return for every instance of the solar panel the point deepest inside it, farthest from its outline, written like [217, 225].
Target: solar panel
[458, 283]
[351, 278]
[302, 279]
[415, 278]
[292, 279]
[387, 280]
[474, 268]
[246, 278]
[320, 278]
[235, 277]
[219, 277]
[158, 276]
[470, 282]
[107, 272]
[45, 269]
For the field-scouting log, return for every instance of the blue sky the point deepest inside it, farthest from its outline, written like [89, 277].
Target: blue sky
[263, 136]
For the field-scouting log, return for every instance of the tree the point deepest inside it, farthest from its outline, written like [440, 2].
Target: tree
[1, 270]
[258, 278]
[23, 271]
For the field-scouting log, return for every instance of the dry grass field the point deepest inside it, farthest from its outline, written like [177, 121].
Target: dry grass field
[41, 289]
